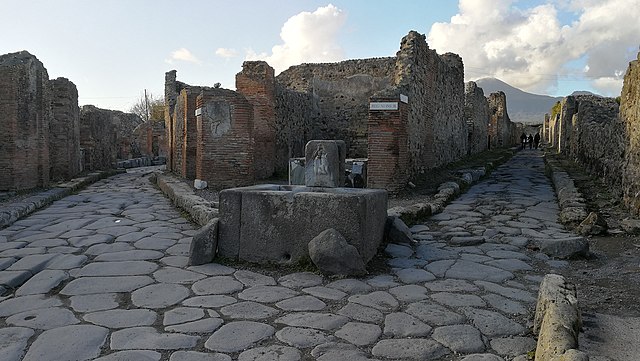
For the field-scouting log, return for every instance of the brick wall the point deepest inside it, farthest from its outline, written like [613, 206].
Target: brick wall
[256, 82]
[64, 137]
[476, 114]
[225, 154]
[24, 122]
[388, 165]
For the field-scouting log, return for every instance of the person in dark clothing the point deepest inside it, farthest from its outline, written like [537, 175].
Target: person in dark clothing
[530, 141]
[523, 140]
[536, 140]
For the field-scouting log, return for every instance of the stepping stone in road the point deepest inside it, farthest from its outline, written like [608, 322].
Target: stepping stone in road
[148, 338]
[13, 341]
[81, 342]
[238, 336]
[276, 353]
[300, 337]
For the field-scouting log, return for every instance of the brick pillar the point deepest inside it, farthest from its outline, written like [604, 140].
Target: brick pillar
[256, 82]
[388, 153]
[189, 131]
[64, 136]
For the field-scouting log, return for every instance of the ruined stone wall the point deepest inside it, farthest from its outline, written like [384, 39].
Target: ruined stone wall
[564, 124]
[225, 154]
[172, 89]
[256, 82]
[186, 129]
[476, 114]
[150, 137]
[25, 103]
[64, 136]
[294, 111]
[597, 138]
[502, 132]
[340, 93]
[630, 115]
[106, 136]
[437, 131]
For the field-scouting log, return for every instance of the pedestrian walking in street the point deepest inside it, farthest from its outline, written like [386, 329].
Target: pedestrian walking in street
[523, 140]
[536, 140]
[530, 141]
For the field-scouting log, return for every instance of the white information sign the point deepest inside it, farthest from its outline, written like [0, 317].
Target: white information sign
[383, 106]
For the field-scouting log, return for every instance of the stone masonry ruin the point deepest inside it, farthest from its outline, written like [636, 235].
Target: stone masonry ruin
[602, 136]
[46, 137]
[438, 121]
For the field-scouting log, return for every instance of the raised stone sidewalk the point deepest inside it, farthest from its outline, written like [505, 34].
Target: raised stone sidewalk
[102, 275]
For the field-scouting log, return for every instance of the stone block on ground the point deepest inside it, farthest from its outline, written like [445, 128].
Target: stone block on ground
[568, 248]
[331, 253]
[397, 231]
[594, 224]
[204, 244]
[557, 320]
[279, 221]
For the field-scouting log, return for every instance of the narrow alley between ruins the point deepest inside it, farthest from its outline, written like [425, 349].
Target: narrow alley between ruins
[103, 274]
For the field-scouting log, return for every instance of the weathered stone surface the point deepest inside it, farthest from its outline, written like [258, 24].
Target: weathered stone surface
[121, 268]
[300, 337]
[206, 325]
[122, 318]
[90, 285]
[324, 163]
[331, 351]
[271, 353]
[358, 333]
[237, 336]
[94, 302]
[361, 313]
[15, 305]
[594, 224]
[217, 285]
[301, 303]
[459, 338]
[493, 324]
[182, 315]
[573, 247]
[409, 348]
[251, 279]
[402, 325]
[267, 294]
[300, 279]
[82, 342]
[331, 253]
[198, 356]
[148, 338]
[138, 355]
[13, 341]
[397, 231]
[159, 295]
[248, 310]
[321, 321]
[44, 318]
[42, 282]
[434, 314]
[379, 300]
[204, 244]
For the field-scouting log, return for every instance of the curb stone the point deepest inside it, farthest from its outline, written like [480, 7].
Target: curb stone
[14, 211]
[200, 210]
[557, 321]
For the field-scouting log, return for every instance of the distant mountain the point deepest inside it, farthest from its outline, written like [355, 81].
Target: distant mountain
[521, 106]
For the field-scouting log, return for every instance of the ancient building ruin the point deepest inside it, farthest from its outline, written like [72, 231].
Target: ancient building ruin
[630, 115]
[25, 108]
[64, 135]
[428, 128]
[502, 132]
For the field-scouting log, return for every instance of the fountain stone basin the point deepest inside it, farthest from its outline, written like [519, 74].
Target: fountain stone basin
[274, 223]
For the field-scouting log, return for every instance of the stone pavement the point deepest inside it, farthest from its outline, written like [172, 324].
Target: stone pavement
[102, 275]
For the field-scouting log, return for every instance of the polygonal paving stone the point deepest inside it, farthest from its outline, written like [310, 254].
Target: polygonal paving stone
[508, 254]
[382, 281]
[359, 334]
[137, 355]
[300, 337]
[333, 351]
[300, 279]
[109, 222]
[301, 303]
[350, 286]
[271, 353]
[403, 325]
[505, 305]
[217, 285]
[409, 293]
[16, 305]
[159, 295]
[457, 300]
[206, 325]
[421, 349]
[177, 275]
[133, 255]
[251, 279]
[43, 318]
[175, 261]
[212, 269]
[14, 279]
[440, 268]
[67, 262]
[514, 293]
[209, 301]
[321, 321]
[155, 243]
[459, 338]
[13, 341]
[434, 314]
[248, 310]
[413, 275]
[122, 318]
[90, 285]
[493, 324]
[476, 271]
[238, 336]
[118, 231]
[123, 268]
[361, 313]
[97, 249]
[325, 292]
[398, 251]
[451, 285]
[34, 263]
[180, 249]
[95, 302]
[267, 294]
[512, 265]
[379, 300]
[482, 357]
[132, 237]
[198, 356]
[81, 342]
[42, 282]
[513, 346]
[148, 338]
[90, 240]
[181, 315]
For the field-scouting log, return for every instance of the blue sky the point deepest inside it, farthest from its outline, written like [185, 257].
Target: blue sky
[113, 50]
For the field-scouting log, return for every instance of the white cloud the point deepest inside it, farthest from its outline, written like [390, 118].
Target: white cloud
[307, 37]
[530, 47]
[226, 52]
[183, 54]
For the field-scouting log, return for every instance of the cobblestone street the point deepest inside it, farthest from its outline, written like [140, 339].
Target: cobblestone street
[102, 275]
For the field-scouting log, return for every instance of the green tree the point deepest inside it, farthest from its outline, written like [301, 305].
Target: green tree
[144, 106]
